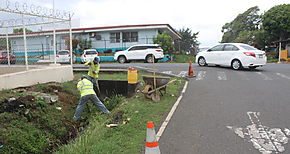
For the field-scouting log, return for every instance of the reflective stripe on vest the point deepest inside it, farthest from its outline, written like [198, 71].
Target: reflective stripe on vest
[86, 87]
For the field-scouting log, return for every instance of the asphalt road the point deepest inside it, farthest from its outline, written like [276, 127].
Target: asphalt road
[228, 112]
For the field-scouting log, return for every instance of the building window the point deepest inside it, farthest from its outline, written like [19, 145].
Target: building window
[115, 37]
[130, 36]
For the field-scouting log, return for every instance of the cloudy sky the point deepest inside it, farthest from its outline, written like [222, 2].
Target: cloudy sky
[204, 16]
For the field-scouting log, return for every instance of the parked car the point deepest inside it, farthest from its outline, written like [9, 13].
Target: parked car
[144, 52]
[63, 56]
[235, 55]
[4, 58]
[89, 54]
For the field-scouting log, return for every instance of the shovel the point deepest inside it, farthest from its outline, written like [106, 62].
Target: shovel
[155, 96]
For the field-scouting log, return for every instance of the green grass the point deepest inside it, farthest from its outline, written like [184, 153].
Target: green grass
[39, 127]
[126, 138]
[183, 58]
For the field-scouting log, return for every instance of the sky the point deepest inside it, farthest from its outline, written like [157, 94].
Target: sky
[204, 16]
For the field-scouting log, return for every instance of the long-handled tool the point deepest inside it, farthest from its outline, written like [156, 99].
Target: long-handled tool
[96, 81]
[155, 96]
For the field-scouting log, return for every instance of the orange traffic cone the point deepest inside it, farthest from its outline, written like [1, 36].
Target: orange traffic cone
[190, 71]
[152, 146]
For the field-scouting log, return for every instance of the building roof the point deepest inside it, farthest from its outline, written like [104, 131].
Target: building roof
[109, 28]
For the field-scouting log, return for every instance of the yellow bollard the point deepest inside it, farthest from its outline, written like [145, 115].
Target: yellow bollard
[132, 75]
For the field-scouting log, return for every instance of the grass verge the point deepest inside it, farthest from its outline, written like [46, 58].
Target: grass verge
[183, 58]
[132, 115]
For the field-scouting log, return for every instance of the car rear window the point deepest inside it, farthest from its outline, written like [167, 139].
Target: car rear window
[63, 52]
[247, 47]
[4, 53]
[91, 52]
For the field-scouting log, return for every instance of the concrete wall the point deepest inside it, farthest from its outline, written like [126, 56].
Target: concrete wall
[35, 76]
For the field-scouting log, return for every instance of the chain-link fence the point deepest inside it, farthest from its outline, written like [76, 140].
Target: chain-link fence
[32, 34]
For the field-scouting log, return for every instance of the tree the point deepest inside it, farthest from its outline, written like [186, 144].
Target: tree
[165, 41]
[84, 44]
[75, 43]
[20, 30]
[188, 40]
[276, 22]
[247, 21]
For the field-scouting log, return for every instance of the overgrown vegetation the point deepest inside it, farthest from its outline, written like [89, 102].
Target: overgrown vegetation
[30, 124]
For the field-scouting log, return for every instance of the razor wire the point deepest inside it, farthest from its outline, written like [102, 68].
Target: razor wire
[22, 15]
[33, 10]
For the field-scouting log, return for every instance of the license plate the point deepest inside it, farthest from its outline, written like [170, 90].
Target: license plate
[260, 56]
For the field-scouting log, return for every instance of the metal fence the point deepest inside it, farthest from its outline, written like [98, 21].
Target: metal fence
[28, 33]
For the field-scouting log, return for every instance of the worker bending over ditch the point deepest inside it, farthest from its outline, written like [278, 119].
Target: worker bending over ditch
[93, 73]
[86, 89]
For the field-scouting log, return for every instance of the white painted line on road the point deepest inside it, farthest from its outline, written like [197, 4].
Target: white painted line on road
[200, 75]
[170, 114]
[266, 140]
[283, 76]
[265, 77]
[167, 72]
[149, 69]
[182, 73]
[222, 76]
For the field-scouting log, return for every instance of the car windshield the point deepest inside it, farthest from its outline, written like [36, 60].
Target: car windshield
[247, 47]
[63, 52]
[91, 52]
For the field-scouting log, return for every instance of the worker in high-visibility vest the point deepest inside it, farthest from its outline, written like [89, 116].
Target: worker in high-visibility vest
[85, 87]
[93, 73]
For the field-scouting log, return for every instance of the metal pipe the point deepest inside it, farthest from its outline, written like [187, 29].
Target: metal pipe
[25, 45]
[70, 43]
[280, 46]
[54, 41]
[7, 46]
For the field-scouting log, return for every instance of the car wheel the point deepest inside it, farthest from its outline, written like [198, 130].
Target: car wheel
[122, 59]
[201, 61]
[236, 64]
[150, 58]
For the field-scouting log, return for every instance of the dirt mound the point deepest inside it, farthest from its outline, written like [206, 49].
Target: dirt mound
[14, 104]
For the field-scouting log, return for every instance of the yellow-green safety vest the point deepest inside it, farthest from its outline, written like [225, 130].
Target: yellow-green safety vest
[93, 68]
[85, 87]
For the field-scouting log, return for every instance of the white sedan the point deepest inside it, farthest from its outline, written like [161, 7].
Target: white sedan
[63, 56]
[235, 55]
[89, 54]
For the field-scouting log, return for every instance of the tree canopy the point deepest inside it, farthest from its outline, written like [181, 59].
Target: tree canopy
[259, 30]
[20, 30]
[84, 44]
[188, 40]
[276, 22]
[165, 41]
[247, 21]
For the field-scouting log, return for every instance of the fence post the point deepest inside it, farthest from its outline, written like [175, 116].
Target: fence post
[7, 46]
[70, 41]
[25, 45]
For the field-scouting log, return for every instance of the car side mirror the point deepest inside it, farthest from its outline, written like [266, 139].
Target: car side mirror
[209, 50]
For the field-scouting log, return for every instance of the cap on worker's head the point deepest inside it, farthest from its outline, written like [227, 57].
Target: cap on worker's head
[96, 60]
[83, 77]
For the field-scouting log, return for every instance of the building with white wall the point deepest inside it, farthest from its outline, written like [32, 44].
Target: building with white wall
[111, 38]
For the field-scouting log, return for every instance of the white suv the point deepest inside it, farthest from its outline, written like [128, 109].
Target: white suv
[146, 52]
